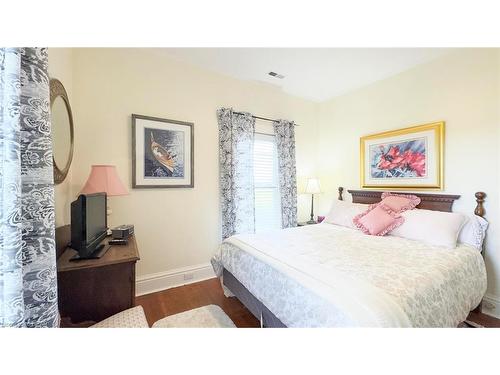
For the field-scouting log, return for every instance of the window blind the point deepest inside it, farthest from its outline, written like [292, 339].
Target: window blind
[267, 196]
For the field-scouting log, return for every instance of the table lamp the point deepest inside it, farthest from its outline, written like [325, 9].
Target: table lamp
[104, 178]
[312, 187]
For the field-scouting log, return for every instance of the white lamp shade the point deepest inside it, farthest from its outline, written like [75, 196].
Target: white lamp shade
[313, 186]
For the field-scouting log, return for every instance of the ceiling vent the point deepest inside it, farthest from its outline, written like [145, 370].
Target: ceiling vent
[276, 75]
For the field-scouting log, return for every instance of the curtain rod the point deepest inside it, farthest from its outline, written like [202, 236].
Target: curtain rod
[258, 117]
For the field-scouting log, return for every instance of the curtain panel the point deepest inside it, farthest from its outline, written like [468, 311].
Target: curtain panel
[28, 288]
[236, 137]
[285, 141]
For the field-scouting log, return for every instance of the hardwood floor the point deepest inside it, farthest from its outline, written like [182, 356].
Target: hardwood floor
[187, 297]
[209, 292]
[484, 320]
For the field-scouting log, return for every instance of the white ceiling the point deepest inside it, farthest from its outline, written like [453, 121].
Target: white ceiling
[316, 74]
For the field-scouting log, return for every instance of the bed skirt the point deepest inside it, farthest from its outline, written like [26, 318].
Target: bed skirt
[258, 309]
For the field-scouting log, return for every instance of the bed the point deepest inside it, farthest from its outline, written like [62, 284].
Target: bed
[325, 275]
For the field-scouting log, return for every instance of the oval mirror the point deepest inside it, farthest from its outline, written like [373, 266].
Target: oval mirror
[62, 130]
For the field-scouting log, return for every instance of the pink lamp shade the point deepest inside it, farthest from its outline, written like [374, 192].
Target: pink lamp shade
[103, 178]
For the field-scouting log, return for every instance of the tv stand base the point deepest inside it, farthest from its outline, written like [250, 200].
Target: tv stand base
[98, 253]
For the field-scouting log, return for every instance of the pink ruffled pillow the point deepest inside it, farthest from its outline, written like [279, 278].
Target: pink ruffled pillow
[378, 220]
[400, 202]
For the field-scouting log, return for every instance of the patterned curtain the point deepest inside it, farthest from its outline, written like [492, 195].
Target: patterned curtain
[285, 141]
[28, 288]
[236, 135]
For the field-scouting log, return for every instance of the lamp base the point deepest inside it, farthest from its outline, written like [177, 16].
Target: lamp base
[312, 222]
[109, 211]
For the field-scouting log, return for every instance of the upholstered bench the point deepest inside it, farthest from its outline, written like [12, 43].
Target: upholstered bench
[131, 318]
[210, 316]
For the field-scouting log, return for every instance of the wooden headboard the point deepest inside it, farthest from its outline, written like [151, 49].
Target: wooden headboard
[435, 202]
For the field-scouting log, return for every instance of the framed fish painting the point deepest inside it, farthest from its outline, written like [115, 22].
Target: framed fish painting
[409, 158]
[162, 153]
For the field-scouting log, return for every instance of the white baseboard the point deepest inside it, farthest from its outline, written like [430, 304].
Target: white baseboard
[156, 282]
[491, 306]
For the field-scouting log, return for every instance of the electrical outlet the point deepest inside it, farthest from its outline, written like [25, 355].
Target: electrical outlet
[188, 276]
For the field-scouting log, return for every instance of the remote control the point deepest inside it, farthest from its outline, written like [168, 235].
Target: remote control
[117, 242]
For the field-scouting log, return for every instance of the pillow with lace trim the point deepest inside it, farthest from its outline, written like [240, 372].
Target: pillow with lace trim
[400, 202]
[378, 220]
[473, 232]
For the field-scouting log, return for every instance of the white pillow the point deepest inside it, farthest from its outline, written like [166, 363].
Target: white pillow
[473, 232]
[431, 227]
[342, 213]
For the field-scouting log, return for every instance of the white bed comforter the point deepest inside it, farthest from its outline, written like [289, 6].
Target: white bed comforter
[330, 276]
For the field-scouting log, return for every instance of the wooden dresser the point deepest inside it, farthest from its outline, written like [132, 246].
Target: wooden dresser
[94, 289]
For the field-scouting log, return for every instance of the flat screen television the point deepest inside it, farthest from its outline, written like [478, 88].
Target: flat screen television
[89, 226]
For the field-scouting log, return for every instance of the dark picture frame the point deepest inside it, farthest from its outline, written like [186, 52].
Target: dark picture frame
[162, 153]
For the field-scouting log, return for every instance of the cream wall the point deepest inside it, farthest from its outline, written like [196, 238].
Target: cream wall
[463, 90]
[180, 227]
[61, 67]
[174, 227]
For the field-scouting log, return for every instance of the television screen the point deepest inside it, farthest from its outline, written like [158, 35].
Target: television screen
[89, 225]
[95, 216]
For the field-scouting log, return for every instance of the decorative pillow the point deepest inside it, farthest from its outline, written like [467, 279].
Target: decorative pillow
[473, 232]
[342, 213]
[400, 202]
[431, 227]
[378, 220]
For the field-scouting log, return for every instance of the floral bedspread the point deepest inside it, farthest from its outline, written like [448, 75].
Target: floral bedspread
[330, 276]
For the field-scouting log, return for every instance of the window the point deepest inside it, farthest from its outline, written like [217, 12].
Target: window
[267, 194]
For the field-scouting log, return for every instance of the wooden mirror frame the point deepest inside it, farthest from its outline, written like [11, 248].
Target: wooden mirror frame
[57, 90]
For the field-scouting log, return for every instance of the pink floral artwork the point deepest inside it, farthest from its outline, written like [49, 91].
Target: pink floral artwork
[406, 159]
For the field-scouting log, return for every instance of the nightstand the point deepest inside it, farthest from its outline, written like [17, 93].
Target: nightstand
[304, 223]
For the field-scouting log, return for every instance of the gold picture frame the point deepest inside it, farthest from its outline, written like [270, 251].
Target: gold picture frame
[404, 159]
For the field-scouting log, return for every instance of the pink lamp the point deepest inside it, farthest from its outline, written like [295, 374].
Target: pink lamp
[103, 178]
